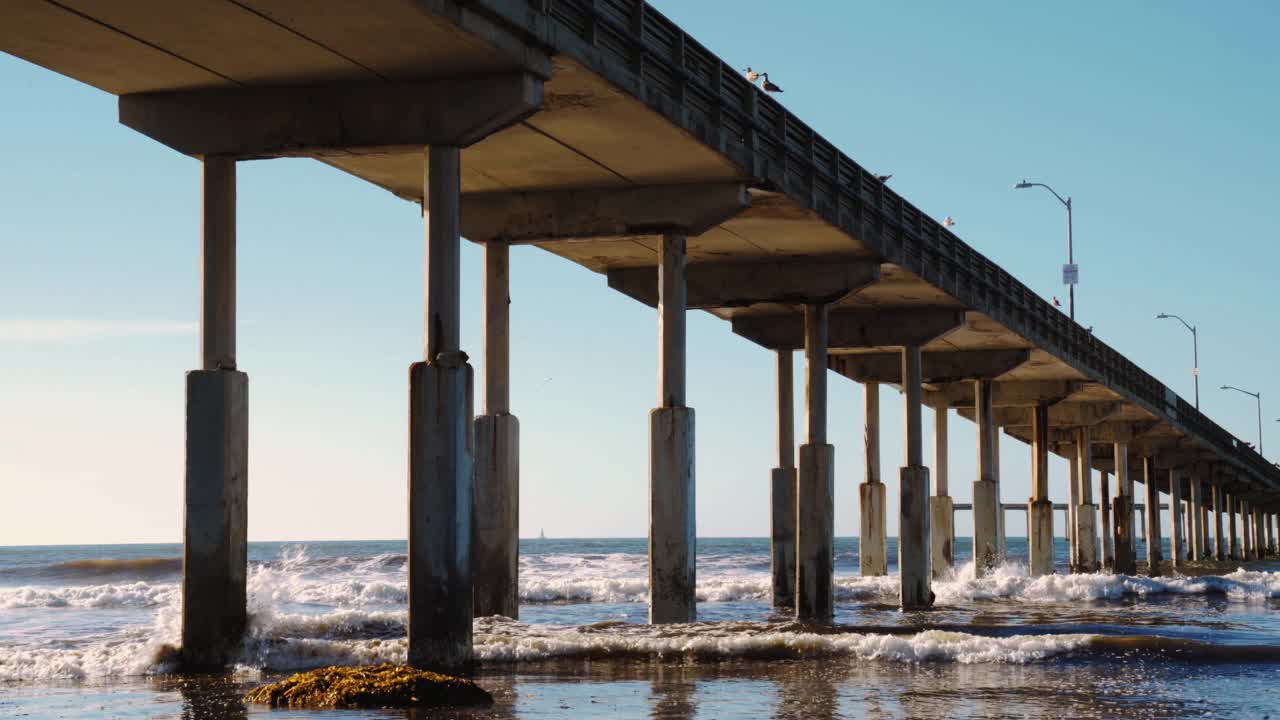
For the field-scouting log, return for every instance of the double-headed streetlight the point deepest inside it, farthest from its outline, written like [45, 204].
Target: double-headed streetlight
[1070, 273]
[1195, 351]
[1256, 396]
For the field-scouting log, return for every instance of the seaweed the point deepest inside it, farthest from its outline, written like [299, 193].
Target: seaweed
[369, 686]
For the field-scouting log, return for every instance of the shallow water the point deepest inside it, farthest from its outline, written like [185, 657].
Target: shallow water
[82, 630]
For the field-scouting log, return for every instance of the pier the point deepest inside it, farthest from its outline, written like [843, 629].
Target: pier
[602, 133]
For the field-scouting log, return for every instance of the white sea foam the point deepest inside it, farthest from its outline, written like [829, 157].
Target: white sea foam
[134, 594]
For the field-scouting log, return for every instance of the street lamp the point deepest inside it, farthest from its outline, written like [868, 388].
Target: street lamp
[1195, 351]
[1256, 396]
[1070, 273]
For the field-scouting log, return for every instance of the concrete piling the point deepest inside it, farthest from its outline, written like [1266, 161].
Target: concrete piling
[1086, 511]
[941, 507]
[1175, 520]
[987, 509]
[783, 491]
[872, 552]
[1039, 508]
[495, 524]
[1125, 560]
[1108, 541]
[440, 460]
[815, 487]
[672, 544]
[913, 520]
[1233, 550]
[215, 515]
[1197, 517]
[1221, 546]
[1151, 480]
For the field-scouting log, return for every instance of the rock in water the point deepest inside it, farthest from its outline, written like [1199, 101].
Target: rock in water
[369, 686]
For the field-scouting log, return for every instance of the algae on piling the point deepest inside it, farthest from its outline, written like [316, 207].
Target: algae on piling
[369, 686]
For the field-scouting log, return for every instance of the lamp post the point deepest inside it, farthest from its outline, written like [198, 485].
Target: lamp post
[1195, 351]
[1071, 262]
[1256, 396]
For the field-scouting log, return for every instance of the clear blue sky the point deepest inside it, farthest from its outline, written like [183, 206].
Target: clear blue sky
[1159, 119]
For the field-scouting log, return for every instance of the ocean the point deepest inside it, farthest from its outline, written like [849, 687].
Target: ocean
[86, 631]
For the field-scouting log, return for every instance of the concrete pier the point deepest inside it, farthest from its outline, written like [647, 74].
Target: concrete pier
[1125, 561]
[1176, 543]
[672, 573]
[872, 552]
[495, 519]
[1073, 501]
[1108, 541]
[215, 518]
[1246, 531]
[1150, 477]
[440, 462]
[941, 507]
[782, 547]
[815, 487]
[987, 509]
[1221, 546]
[913, 506]
[1197, 517]
[1039, 508]
[1233, 549]
[1086, 512]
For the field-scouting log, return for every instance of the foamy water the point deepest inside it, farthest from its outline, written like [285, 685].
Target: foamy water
[321, 604]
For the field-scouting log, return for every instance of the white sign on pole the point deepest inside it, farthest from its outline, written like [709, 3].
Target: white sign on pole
[1071, 274]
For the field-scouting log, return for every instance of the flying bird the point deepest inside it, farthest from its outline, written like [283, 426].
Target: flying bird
[769, 86]
[884, 178]
[751, 75]
[948, 222]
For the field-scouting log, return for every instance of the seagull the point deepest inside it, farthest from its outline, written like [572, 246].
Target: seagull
[769, 86]
[751, 75]
[884, 178]
[1056, 302]
[948, 222]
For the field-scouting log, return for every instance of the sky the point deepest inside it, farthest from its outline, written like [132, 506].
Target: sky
[1157, 119]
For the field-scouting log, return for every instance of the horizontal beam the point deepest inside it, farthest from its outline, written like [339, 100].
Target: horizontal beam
[526, 217]
[291, 120]
[1010, 393]
[738, 284]
[853, 329]
[1061, 415]
[939, 366]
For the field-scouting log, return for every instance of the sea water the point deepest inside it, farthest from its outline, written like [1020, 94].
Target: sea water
[88, 631]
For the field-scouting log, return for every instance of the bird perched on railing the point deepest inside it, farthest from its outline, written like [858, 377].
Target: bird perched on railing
[948, 222]
[769, 87]
[751, 75]
[884, 178]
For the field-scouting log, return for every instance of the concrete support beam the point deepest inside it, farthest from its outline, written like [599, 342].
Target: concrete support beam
[1011, 393]
[941, 513]
[495, 520]
[672, 566]
[783, 496]
[815, 489]
[1108, 540]
[440, 460]
[215, 515]
[1086, 514]
[1220, 544]
[1125, 556]
[1246, 531]
[852, 329]
[1039, 508]
[987, 511]
[913, 521]
[938, 367]
[738, 284]
[872, 540]
[1233, 549]
[1176, 534]
[1197, 518]
[1061, 415]
[1150, 477]
[261, 121]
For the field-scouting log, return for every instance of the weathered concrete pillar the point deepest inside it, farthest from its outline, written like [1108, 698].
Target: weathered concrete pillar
[872, 553]
[1086, 512]
[440, 461]
[913, 517]
[1197, 517]
[672, 544]
[1073, 501]
[1150, 477]
[1271, 534]
[987, 509]
[215, 518]
[1125, 560]
[941, 507]
[1108, 541]
[1221, 547]
[1233, 551]
[783, 496]
[1039, 507]
[495, 514]
[815, 488]
[1175, 519]
[1246, 531]
[1001, 533]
